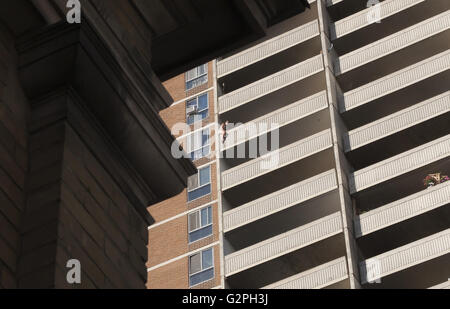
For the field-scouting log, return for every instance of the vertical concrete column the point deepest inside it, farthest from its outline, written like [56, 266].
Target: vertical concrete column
[339, 132]
[219, 177]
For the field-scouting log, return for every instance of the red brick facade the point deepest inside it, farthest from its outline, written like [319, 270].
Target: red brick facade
[169, 247]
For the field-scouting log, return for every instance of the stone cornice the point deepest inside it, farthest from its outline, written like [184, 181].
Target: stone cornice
[74, 55]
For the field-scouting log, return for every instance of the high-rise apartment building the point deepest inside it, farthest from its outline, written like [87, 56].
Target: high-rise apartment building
[344, 112]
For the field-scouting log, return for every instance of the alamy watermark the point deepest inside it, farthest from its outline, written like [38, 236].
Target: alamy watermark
[374, 14]
[74, 273]
[235, 141]
[373, 271]
[73, 15]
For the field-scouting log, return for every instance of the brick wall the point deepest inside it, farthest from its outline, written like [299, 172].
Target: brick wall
[13, 159]
[168, 241]
[75, 207]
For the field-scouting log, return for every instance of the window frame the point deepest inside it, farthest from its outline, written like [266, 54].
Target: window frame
[197, 76]
[196, 99]
[191, 153]
[201, 186]
[201, 266]
[210, 224]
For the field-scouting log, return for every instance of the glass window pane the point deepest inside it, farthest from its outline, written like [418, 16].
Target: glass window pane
[205, 151]
[193, 221]
[204, 114]
[202, 69]
[201, 277]
[207, 258]
[192, 103]
[189, 85]
[203, 102]
[191, 74]
[205, 176]
[210, 215]
[193, 195]
[205, 137]
[204, 216]
[200, 234]
[195, 263]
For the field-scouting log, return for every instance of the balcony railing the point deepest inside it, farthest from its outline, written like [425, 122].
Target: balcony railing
[360, 20]
[283, 244]
[280, 200]
[393, 43]
[284, 156]
[402, 210]
[270, 84]
[280, 117]
[397, 122]
[268, 48]
[400, 164]
[405, 257]
[395, 81]
[316, 278]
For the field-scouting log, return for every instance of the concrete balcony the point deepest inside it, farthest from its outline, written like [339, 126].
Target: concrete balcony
[278, 201]
[400, 164]
[393, 43]
[280, 117]
[442, 286]
[283, 244]
[267, 48]
[316, 278]
[395, 81]
[397, 260]
[270, 84]
[333, 2]
[285, 156]
[397, 122]
[359, 20]
[402, 210]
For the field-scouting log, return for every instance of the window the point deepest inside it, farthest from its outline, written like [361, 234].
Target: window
[200, 224]
[197, 109]
[201, 267]
[197, 77]
[199, 185]
[198, 145]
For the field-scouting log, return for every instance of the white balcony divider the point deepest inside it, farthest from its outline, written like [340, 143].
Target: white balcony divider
[400, 164]
[268, 48]
[271, 83]
[280, 200]
[281, 117]
[285, 156]
[361, 19]
[316, 278]
[395, 81]
[393, 43]
[442, 286]
[397, 122]
[401, 210]
[405, 257]
[283, 244]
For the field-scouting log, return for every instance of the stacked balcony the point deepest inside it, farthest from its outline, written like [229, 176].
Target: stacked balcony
[392, 81]
[317, 278]
[395, 81]
[414, 265]
[268, 205]
[402, 210]
[280, 216]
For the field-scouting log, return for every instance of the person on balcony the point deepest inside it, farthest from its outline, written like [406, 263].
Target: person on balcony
[223, 131]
